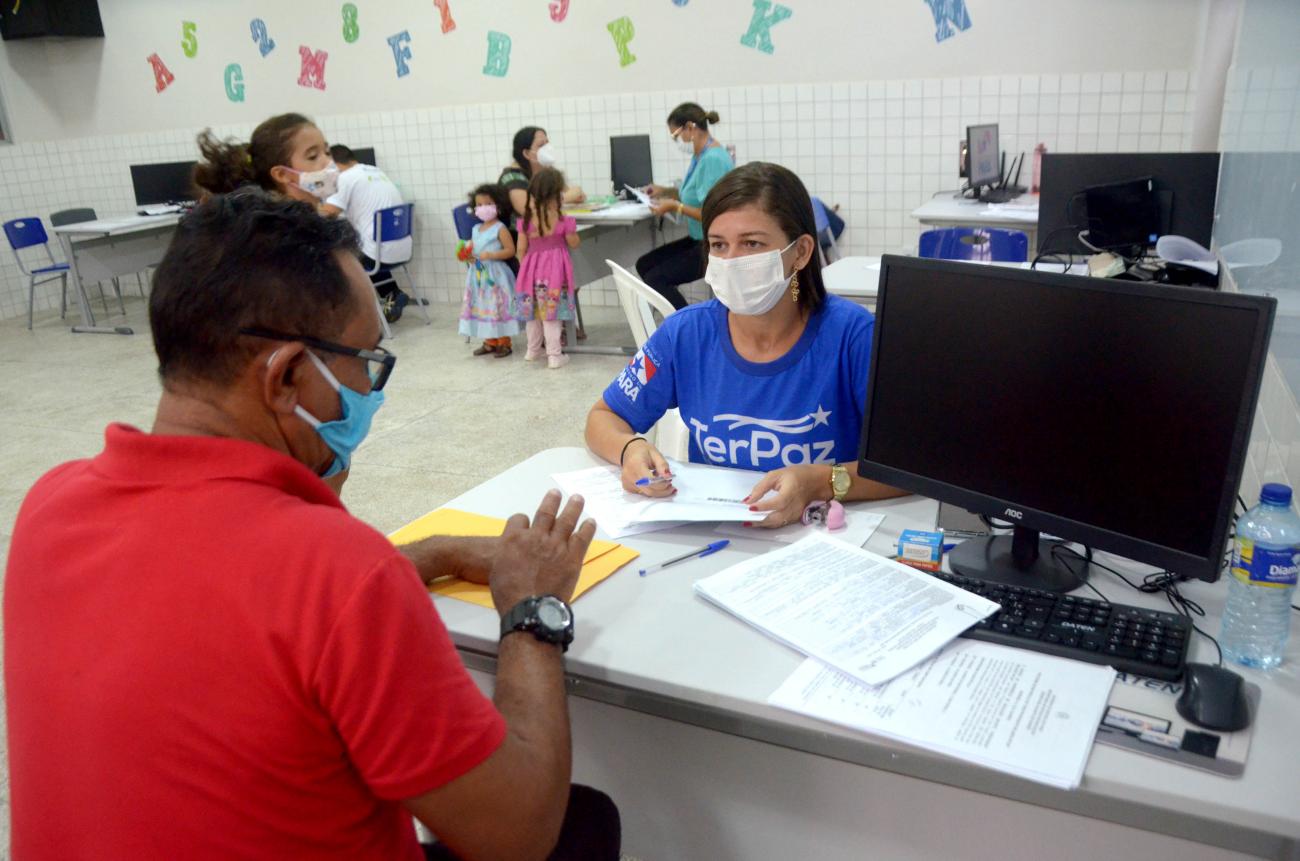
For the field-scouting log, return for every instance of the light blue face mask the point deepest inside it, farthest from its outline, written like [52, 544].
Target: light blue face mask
[343, 435]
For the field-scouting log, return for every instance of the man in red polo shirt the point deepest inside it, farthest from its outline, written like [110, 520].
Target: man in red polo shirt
[206, 656]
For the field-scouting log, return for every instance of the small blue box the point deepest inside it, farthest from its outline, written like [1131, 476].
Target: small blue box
[921, 549]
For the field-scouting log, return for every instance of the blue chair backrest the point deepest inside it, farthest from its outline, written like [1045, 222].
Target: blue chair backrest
[25, 232]
[393, 223]
[992, 244]
[819, 216]
[465, 220]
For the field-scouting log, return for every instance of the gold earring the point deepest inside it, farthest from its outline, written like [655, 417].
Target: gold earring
[794, 288]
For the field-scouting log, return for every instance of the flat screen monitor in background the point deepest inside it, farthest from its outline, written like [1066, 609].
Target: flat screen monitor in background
[169, 182]
[629, 162]
[1184, 183]
[984, 156]
[365, 155]
[1109, 413]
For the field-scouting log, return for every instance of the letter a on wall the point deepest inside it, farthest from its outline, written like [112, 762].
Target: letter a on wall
[622, 31]
[235, 82]
[759, 34]
[400, 43]
[447, 24]
[313, 68]
[498, 58]
[948, 14]
[162, 76]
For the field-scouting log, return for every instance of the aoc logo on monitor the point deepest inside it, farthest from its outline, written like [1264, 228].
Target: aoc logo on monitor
[1013, 514]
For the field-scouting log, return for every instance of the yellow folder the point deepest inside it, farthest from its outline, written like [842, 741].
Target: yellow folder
[603, 557]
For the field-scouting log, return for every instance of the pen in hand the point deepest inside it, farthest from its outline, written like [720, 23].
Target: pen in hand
[706, 550]
[658, 479]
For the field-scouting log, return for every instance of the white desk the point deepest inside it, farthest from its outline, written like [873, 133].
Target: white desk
[622, 233]
[858, 278]
[669, 714]
[109, 248]
[944, 210]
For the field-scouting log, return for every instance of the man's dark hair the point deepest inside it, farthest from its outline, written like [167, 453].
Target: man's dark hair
[342, 154]
[246, 259]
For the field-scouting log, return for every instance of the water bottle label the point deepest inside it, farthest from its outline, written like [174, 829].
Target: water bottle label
[1260, 566]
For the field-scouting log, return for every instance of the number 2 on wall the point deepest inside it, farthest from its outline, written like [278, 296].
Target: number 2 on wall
[265, 43]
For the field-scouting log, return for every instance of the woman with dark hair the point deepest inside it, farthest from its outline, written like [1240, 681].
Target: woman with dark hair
[530, 149]
[681, 262]
[286, 154]
[770, 376]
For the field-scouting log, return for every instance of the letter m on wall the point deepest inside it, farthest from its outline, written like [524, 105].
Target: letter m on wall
[313, 68]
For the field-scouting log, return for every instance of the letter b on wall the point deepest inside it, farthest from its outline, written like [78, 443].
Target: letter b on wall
[498, 58]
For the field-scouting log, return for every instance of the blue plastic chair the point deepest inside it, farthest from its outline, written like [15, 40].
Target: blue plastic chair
[829, 225]
[28, 233]
[391, 225]
[987, 244]
[465, 220]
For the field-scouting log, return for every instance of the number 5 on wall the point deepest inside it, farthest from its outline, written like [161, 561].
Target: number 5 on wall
[189, 40]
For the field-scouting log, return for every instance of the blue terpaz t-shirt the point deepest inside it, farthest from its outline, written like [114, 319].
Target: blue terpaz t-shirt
[805, 407]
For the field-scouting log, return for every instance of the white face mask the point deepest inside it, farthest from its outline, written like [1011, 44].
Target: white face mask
[546, 156]
[684, 143]
[750, 285]
[320, 184]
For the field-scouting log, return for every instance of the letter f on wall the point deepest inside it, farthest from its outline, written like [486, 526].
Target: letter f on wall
[760, 26]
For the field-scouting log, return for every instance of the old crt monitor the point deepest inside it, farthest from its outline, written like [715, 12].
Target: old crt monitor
[1184, 183]
[1109, 413]
[364, 155]
[984, 158]
[169, 182]
[629, 161]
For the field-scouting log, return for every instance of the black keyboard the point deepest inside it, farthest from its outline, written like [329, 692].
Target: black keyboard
[1130, 639]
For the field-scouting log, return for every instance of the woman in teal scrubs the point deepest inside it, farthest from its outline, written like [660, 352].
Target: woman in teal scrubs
[682, 261]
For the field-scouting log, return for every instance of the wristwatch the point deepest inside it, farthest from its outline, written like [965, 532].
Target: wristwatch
[841, 481]
[546, 617]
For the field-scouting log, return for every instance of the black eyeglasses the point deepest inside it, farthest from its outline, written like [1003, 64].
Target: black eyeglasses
[379, 362]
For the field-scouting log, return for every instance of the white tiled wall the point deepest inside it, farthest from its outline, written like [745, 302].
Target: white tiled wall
[878, 149]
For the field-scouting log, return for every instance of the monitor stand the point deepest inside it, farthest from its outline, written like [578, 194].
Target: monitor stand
[1020, 559]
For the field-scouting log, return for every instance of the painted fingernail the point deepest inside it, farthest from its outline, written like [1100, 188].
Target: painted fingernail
[746, 524]
[753, 508]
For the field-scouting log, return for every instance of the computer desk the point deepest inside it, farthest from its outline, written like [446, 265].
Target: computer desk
[109, 248]
[858, 278]
[668, 704]
[944, 210]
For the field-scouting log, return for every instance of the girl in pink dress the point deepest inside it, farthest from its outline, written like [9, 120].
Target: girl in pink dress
[544, 290]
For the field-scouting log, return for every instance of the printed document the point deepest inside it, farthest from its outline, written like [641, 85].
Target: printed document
[1012, 710]
[867, 616]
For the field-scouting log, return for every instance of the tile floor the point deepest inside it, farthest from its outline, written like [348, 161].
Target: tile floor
[451, 420]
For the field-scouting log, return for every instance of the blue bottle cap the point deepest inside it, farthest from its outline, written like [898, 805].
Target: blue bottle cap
[1275, 494]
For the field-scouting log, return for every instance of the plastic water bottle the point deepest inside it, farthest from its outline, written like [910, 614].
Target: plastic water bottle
[1265, 559]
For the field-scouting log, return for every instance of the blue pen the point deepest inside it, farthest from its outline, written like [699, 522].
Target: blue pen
[658, 479]
[702, 552]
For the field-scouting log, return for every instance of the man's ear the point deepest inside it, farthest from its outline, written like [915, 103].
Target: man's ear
[279, 373]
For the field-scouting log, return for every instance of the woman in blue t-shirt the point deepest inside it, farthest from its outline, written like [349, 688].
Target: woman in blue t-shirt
[769, 376]
[682, 261]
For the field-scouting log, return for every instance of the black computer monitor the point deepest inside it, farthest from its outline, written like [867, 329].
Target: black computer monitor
[1184, 185]
[169, 182]
[365, 155]
[983, 154]
[1109, 413]
[629, 161]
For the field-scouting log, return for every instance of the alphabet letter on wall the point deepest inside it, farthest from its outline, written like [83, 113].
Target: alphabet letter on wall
[759, 34]
[447, 24]
[401, 45]
[947, 15]
[622, 31]
[235, 82]
[162, 76]
[313, 68]
[560, 10]
[498, 58]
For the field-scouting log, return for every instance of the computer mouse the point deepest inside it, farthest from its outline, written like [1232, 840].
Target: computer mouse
[1214, 698]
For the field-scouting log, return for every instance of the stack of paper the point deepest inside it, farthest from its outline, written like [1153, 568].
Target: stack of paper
[603, 557]
[704, 494]
[1024, 713]
[863, 614]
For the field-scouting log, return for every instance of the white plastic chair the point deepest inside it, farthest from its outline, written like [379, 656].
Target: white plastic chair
[640, 301]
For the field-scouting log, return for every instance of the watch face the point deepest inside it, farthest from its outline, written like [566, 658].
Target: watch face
[552, 614]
